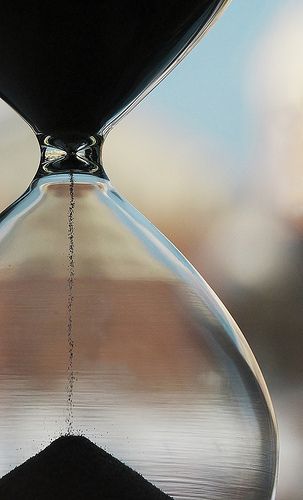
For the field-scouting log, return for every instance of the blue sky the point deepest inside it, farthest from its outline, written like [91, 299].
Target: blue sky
[206, 93]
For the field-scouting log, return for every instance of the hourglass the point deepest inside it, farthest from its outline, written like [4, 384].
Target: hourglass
[107, 331]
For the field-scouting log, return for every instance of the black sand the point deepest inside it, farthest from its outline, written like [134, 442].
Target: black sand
[73, 468]
[69, 70]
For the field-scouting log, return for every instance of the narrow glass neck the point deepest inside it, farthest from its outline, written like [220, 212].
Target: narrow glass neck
[71, 154]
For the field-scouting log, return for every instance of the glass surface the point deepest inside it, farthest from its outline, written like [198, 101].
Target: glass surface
[164, 380]
[106, 330]
[75, 70]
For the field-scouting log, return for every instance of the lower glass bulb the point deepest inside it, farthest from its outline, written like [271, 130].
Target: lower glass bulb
[108, 332]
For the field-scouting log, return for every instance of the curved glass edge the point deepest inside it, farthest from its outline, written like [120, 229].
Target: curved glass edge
[188, 273]
[167, 254]
[151, 237]
[218, 11]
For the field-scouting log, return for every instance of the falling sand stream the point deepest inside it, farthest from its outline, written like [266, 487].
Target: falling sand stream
[70, 300]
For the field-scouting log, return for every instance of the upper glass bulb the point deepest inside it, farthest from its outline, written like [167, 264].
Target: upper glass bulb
[76, 69]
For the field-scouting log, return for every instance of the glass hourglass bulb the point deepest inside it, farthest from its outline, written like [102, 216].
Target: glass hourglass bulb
[108, 332]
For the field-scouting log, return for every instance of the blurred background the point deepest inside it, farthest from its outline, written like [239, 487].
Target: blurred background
[213, 158]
